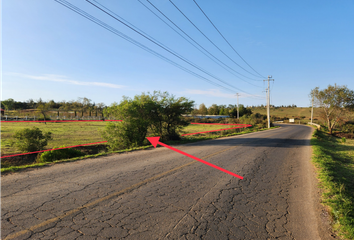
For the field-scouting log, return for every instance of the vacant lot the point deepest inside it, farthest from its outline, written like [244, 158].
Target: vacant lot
[73, 133]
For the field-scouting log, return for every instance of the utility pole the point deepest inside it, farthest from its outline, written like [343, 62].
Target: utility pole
[238, 112]
[268, 100]
[312, 110]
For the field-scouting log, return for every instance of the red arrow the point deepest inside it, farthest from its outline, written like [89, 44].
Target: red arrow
[155, 140]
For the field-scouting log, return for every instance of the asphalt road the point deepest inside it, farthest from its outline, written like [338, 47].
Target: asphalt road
[160, 194]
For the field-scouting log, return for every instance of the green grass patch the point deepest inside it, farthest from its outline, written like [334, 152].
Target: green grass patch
[69, 134]
[73, 133]
[184, 140]
[335, 162]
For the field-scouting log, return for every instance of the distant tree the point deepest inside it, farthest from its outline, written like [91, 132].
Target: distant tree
[31, 104]
[334, 101]
[85, 105]
[99, 108]
[203, 109]
[75, 106]
[213, 110]
[244, 111]
[43, 107]
[64, 106]
[8, 104]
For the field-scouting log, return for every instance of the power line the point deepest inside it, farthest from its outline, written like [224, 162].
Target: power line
[225, 39]
[219, 61]
[160, 45]
[130, 24]
[211, 41]
[120, 34]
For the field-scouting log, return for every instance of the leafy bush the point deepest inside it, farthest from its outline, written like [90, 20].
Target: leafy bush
[31, 139]
[59, 154]
[159, 114]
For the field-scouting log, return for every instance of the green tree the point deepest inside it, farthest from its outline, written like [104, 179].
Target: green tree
[167, 116]
[31, 139]
[85, 104]
[213, 110]
[224, 111]
[335, 101]
[43, 107]
[159, 114]
[136, 116]
[203, 109]
[99, 108]
[244, 111]
[75, 106]
[9, 104]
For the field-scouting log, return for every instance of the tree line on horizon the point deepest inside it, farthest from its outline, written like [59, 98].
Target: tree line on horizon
[214, 109]
[79, 107]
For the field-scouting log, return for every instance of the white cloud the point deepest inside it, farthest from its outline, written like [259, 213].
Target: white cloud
[64, 79]
[217, 93]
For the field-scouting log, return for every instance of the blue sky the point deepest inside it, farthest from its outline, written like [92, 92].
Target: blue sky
[51, 52]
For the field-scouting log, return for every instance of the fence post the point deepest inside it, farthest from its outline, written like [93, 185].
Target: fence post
[6, 117]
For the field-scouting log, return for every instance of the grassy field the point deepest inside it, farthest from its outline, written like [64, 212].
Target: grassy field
[72, 133]
[67, 134]
[297, 112]
[334, 160]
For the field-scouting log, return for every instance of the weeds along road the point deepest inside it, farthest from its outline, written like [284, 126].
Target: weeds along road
[160, 194]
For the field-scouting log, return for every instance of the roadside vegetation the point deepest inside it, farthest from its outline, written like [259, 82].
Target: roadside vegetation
[11, 164]
[152, 114]
[333, 154]
[334, 159]
[156, 114]
[62, 133]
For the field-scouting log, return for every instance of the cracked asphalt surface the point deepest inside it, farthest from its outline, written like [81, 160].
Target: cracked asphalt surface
[160, 194]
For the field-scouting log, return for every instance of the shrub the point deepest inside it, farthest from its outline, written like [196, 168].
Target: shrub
[344, 139]
[31, 139]
[59, 154]
[159, 114]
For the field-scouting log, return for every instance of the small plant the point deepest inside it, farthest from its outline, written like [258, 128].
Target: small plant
[344, 139]
[59, 154]
[31, 139]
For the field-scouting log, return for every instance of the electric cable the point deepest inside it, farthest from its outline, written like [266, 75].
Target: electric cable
[212, 41]
[225, 65]
[226, 39]
[159, 43]
[116, 32]
[161, 46]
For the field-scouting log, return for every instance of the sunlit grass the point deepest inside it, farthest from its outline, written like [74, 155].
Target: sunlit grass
[73, 133]
[335, 162]
[68, 134]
